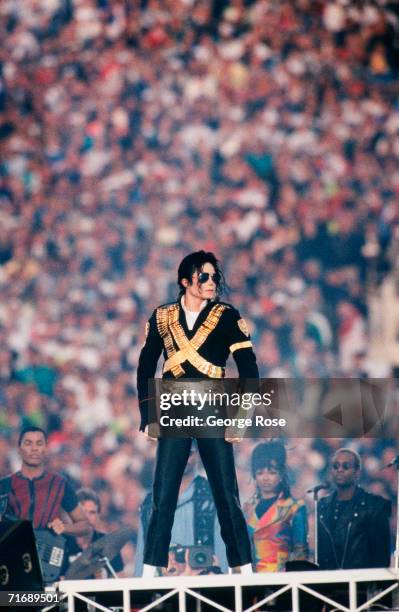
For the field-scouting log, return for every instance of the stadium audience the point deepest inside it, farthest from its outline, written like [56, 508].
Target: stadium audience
[132, 133]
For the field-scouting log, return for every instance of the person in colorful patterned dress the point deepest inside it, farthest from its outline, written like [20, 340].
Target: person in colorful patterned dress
[277, 523]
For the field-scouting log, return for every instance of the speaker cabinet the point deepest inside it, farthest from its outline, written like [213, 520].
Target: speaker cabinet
[19, 562]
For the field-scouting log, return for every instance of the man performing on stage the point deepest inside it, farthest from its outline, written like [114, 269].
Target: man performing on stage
[354, 528]
[45, 498]
[196, 334]
[91, 505]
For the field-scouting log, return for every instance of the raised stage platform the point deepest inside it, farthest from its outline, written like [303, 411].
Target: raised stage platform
[344, 590]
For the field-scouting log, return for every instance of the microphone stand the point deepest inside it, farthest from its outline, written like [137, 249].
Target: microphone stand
[316, 523]
[324, 486]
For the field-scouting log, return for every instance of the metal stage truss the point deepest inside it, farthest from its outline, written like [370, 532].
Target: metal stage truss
[232, 592]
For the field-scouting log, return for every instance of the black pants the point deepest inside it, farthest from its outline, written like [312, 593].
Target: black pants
[218, 459]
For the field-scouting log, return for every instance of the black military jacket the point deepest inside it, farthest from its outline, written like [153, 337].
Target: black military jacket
[358, 539]
[198, 353]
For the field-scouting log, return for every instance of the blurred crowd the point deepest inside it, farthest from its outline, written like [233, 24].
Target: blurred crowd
[132, 133]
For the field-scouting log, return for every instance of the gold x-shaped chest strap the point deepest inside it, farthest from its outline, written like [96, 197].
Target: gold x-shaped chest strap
[170, 327]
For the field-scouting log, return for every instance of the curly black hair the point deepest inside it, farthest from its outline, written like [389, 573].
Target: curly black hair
[272, 455]
[194, 262]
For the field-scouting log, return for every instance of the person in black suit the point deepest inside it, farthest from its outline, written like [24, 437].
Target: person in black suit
[196, 335]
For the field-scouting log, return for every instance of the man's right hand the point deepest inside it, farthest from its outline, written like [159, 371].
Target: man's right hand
[57, 525]
[232, 435]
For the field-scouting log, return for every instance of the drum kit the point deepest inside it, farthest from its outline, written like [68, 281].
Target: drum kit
[99, 555]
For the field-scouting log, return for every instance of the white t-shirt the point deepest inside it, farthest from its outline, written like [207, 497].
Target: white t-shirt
[192, 316]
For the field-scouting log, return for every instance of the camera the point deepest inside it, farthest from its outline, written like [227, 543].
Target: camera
[199, 557]
[179, 552]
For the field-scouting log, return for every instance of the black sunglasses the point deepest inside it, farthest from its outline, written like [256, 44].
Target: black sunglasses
[204, 276]
[344, 465]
